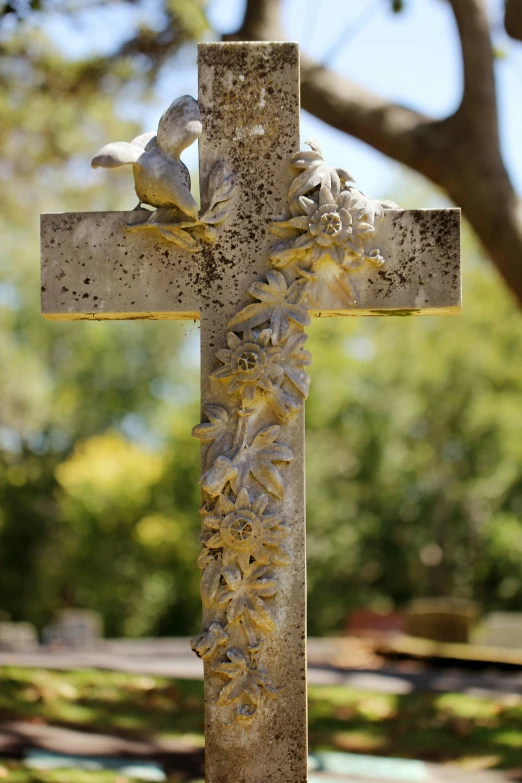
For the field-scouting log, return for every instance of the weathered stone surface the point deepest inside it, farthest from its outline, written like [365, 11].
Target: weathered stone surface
[249, 102]
[93, 268]
[421, 274]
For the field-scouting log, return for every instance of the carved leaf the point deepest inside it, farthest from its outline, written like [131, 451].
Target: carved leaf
[210, 582]
[221, 186]
[244, 592]
[283, 404]
[305, 182]
[343, 289]
[219, 428]
[218, 215]
[217, 420]
[218, 476]
[206, 643]
[257, 459]
[304, 158]
[169, 215]
[278, 304]
[290, 250]
[279, 556]
[216, 178]
[179, 237]
[294, 359]
[259, 612]
[315, 146]
[232, 690]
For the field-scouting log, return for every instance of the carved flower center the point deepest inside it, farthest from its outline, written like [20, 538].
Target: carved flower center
[241, 530]
[331, 223]
[249, 362]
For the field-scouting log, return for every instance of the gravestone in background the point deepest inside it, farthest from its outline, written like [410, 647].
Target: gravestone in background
[502, 629]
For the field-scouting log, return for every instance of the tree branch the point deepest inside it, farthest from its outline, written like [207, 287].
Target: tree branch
[477, 57]
[394, 130]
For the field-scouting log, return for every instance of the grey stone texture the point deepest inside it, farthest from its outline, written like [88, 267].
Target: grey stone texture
[92, 268]
[249, 102]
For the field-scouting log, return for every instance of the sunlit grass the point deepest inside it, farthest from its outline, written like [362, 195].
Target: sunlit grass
[15, 772]
[473, 732]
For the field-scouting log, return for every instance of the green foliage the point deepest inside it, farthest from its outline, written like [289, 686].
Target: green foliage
[414, 483]
[109, 702]
[18, 773]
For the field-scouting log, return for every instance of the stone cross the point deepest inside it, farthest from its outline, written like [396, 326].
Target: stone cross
[336, 253]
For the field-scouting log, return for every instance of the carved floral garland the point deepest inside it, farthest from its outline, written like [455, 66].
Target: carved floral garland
[326, 234]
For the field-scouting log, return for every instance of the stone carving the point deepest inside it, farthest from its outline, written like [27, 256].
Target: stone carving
[245, 680]
[244, 531]
[327, 233]
[162, 180]
[329, 230]
[205, 644]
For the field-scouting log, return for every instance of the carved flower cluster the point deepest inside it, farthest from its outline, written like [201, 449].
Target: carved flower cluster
[329, 232]
[326, 235]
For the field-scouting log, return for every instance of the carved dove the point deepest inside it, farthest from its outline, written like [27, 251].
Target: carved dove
[160, 177]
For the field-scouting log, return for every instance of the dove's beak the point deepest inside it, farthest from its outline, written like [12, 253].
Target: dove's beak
[194, 127]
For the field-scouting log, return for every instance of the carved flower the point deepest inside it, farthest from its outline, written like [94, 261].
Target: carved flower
[250, 363]
[243, 531]
[315, 172]
[244, 681]
[335, 227]
[244, 593]
[205, 644]
[256, 459]
[294, 359]
[278, 304]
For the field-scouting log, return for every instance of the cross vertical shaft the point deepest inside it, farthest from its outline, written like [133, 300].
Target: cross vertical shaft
[249, 100]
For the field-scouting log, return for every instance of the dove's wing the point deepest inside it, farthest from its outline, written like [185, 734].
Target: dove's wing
[143, 139]
[119, 153]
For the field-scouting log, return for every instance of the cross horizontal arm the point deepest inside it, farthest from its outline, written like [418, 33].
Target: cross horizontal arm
[92, 268]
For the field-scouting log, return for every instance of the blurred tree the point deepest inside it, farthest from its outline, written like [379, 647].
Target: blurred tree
[413, 474]
[513, 19]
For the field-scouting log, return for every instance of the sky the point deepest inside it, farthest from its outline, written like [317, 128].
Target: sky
[412, 57]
